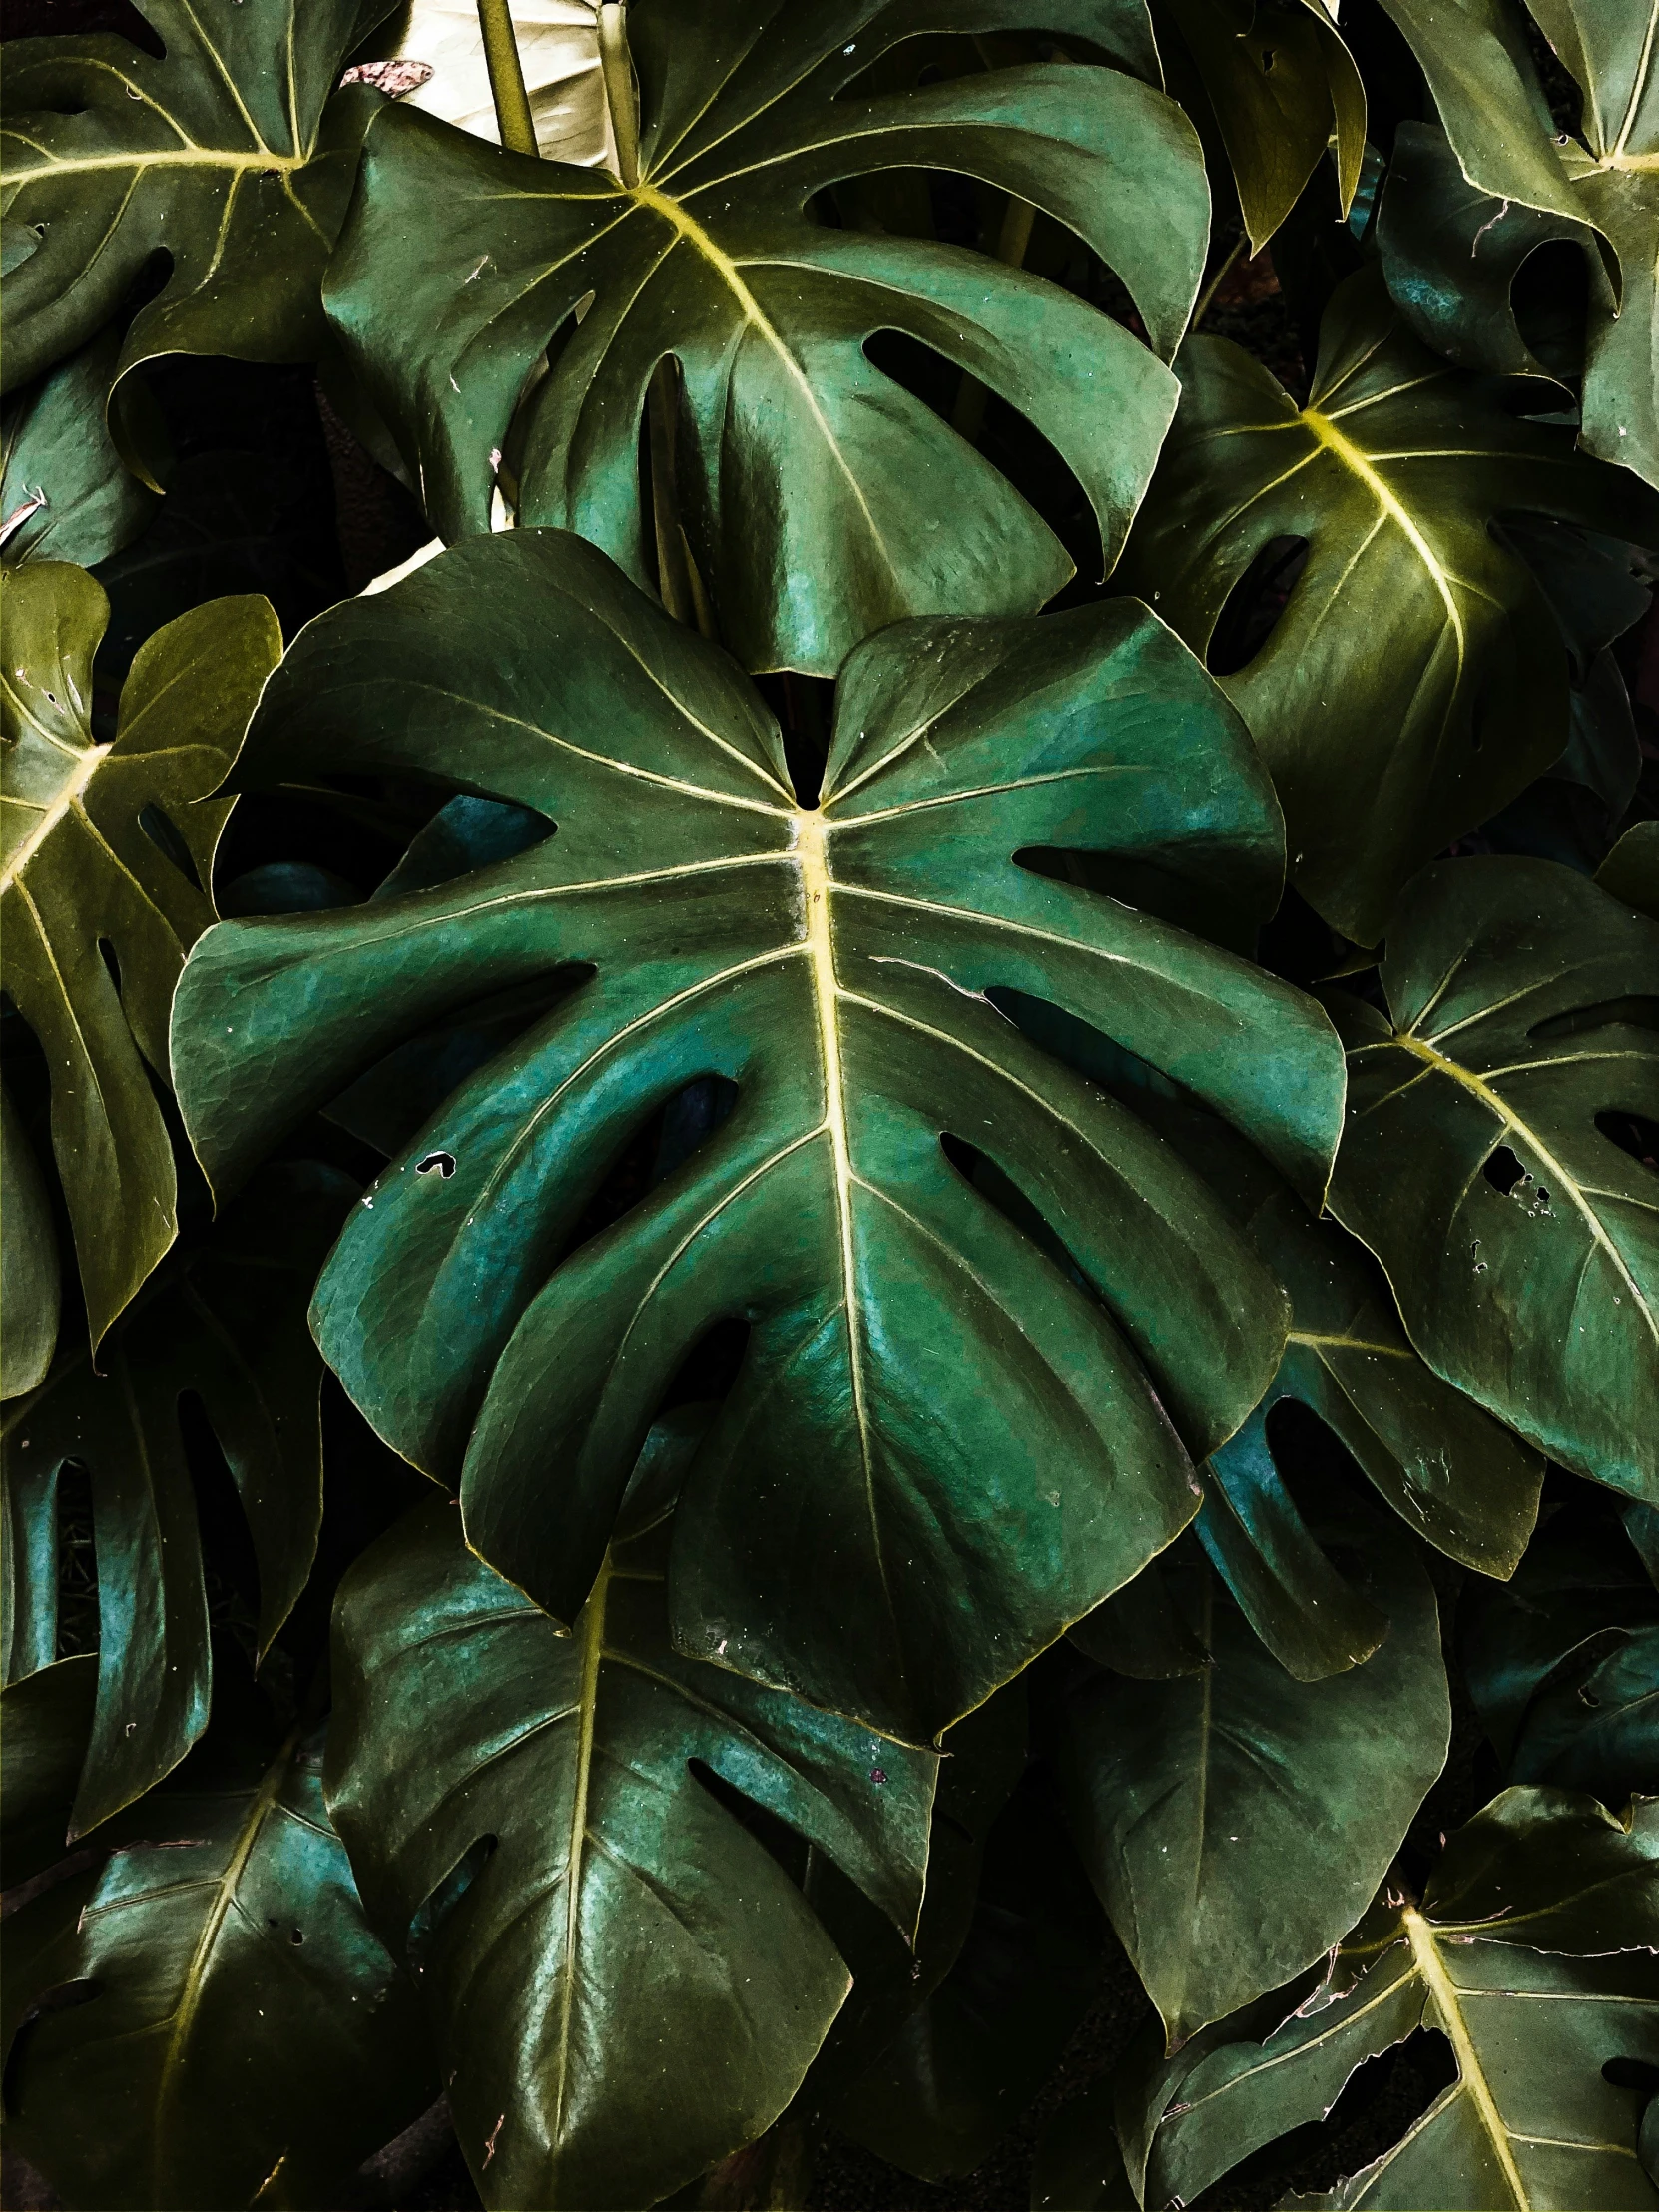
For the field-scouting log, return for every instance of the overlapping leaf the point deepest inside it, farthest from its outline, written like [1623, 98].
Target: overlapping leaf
[1532, 1952]
[788, 440]
[1235, 1820]
[1282, 85]
[243, 2036]
[558, 51]
[225, 1325]
[940, 1449]
[227, 153]
[1415, 679]
[96, 912]
[65, 493]
[1521, 1240]
[625, 1984]
[1474, 54]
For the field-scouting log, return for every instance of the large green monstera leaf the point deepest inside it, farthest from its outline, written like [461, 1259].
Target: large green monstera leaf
[65, 494]
[1235, 1821]
[98, 837]
[223, 1326]
[941, 1447]
[1521, 1240]
[227, 153]
[243, 2036]
[790, 442]
[625, 1984]
[1532, 1952]
[1474, 55]
[1416, 679]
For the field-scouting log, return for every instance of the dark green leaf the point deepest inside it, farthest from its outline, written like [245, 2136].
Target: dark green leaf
[940, 1449]
[1282, 85]
[1235, 1823]
[1474, 55]
[1631, 871]
[1521, 1241]
[1506, 1956]
[1415, 680]
[225, 1325]
[30, 1291]
[1451, 253]
[1596, 1728]
[65, 493]
[242, 2037]
[625, 1984]
[228, 154]
[45, 1721]
[788, 439]
[82, 872]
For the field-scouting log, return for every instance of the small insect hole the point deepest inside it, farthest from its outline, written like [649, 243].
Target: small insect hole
[1502, 1170]
[444, 1162]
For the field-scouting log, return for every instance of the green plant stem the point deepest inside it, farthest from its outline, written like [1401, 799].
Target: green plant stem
[512, 102]
[1207, 296]
[617, 68]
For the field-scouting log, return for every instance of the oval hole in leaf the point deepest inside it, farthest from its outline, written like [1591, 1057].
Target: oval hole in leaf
[1253, 605]
[1640, 1010]
[1632, 1133]
[429, 1917]
[1632, 2073]
[1549, 297]
[778, 1838]
[443, 1162]
[682, 1122]
[998, 1187]
[1502, 1170]
[111, 961]
[163, 833]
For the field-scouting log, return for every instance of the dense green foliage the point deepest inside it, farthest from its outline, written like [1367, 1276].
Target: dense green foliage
[854, 1228]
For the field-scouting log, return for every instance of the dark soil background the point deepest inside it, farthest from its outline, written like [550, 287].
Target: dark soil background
[273, 493]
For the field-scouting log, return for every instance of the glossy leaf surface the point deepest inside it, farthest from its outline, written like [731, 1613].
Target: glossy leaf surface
[625, 1985]
[227, 153]
[31, 1292]
[788, 440]
[45, 1721]
[1476, 57]
[244, 2038]
[1532, 1952]
[1521, 1241]
[1235, 1821]
[1282, 84]
[64, 493]
[1415, 679]
[1631, 871]
[82, 871]
[940, 1449]
[223, 1326]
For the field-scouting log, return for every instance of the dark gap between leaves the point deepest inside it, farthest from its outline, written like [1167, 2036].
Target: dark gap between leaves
[776, 1836]
[78, 1607]
[229, 1564]
[163, 833]
[67, 1998]
[428, 1921]
[1632, 1133]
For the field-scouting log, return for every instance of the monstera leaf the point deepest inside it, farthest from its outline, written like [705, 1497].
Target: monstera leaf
[1236, 1820]
[1530, 1953]
[65, 493]
[1476, 57]
[227, 153]
[940, 1447]
[1282, 85]
[1452, 254]
[625, 1984]
[1631, 871]
[223, 1325]
[1415, 679]
[1521, 1241]
[242, 2038]
[95, 909]
[788, 439]
[45, 1721]
[30, 1291]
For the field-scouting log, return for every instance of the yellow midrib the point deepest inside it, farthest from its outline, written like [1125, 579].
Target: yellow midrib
[593, 1651]
[1495, 1103]
[1349, 454]
[1471, 2073]
[68, 798]
[196, 1974]
[182, 156]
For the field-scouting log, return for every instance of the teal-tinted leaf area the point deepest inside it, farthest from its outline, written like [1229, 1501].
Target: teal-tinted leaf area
[242, 2037]
[1521, 1240]
[1532, 1952]
[225, 1325]
[227, 153]
[625, 1982]
[941, 1447]
[789, 441]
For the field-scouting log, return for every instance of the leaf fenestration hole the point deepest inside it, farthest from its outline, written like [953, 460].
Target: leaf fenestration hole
[443, 1162]
[1253, 607]
[1502, 1170]
[1632, 2073]
[428, 1922]
[1632, 1133]
[111, 961]
[163, 833]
